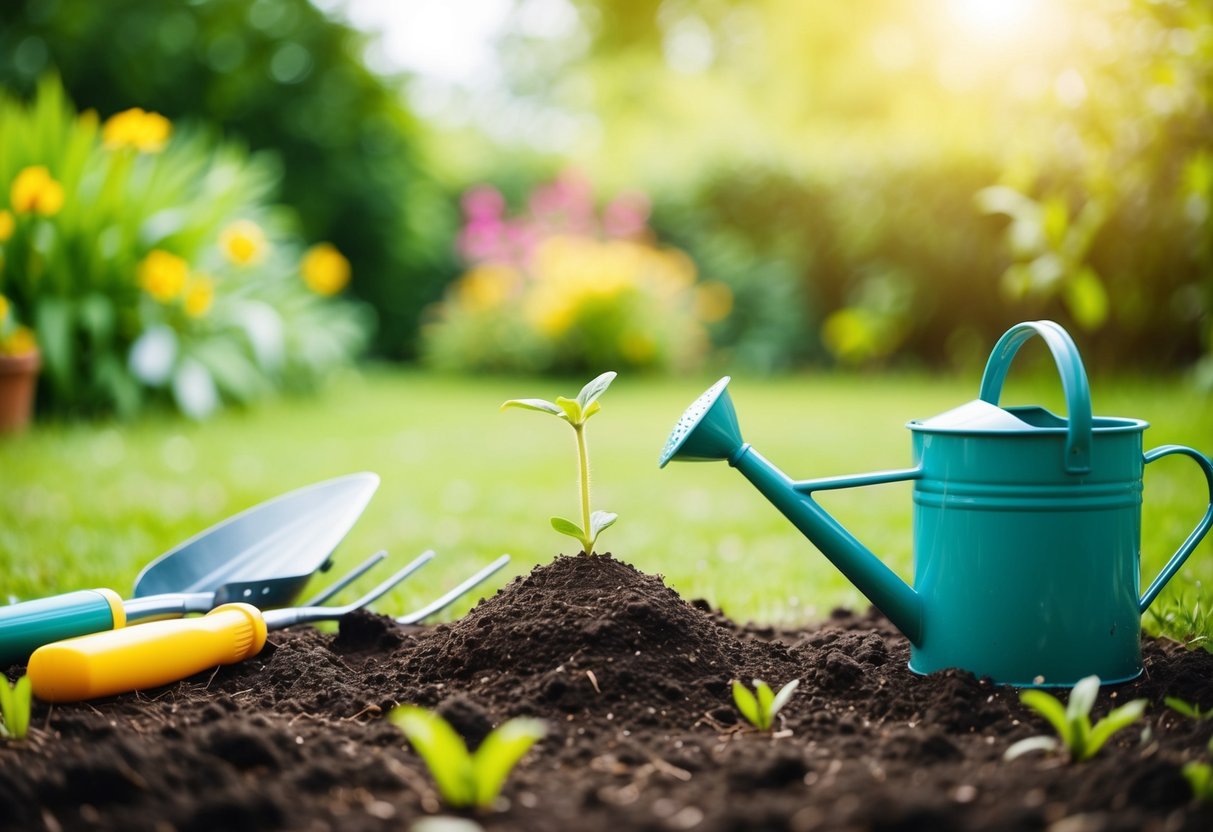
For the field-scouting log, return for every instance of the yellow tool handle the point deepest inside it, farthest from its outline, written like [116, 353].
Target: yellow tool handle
[146, 655]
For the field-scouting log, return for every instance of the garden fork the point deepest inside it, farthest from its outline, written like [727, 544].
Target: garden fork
[162, 652]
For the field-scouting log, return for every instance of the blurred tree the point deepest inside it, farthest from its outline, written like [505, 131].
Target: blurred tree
[283, 76]
[871, 126]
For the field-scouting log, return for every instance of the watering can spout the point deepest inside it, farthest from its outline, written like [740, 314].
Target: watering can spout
[709, 430]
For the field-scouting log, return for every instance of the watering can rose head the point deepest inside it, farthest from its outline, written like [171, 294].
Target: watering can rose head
[1001, 496]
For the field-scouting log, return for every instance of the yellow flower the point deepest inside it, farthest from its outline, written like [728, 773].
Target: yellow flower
[325, 269]
[199, 295]
[34, 191]
[5, 307]
[144, 131]
[163, 275]
[20, 342]
[243, 242]
[6, 225]
[487, 287]
[713, 301]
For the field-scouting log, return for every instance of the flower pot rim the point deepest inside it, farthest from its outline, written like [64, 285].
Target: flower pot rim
[29, 362]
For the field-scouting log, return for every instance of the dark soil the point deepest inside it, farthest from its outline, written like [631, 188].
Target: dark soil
[634, 685]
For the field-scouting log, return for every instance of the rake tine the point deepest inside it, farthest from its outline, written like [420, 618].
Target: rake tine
[277, 619]
[346, 579]
[445, 600]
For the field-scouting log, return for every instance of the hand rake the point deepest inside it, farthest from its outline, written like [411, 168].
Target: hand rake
[162, 652]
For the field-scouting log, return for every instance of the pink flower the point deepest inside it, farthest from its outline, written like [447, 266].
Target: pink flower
[627, 215]
[483, 202]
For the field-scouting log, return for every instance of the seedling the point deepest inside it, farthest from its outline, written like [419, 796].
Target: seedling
[465, 779]
[1073, 722]
[15, 707]
[1188, 709]
[577, 412]
[1200, 778]
[760, 710]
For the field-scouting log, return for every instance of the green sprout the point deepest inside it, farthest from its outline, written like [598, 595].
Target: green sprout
[760, 710]
[466, 779]
[1188, 709]
[577, 412]
[15, 707]
[1073, 721]
[1200, 778]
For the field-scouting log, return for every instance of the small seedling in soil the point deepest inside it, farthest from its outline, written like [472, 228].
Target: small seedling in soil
[1073, 722]
[760, 709]
[15, 707]
[1188, 709]
[1200, 778]
[466, 779]
[577, 412]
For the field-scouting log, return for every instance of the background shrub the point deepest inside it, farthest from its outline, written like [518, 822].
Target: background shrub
[154, 267]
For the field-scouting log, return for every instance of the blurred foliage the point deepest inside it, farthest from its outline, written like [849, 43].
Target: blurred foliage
[153, 267]
[564, 287]
[913, 177]
[282, 76]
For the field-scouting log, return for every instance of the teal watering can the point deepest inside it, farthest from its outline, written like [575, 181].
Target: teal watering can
[1027, 527]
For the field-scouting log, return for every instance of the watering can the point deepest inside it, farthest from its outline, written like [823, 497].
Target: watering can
[1027, 527]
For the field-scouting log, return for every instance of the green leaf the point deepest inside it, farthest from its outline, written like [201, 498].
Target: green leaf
[444, 752]
[1030, 744]
[542, 405]
[746, 704]
[499, 753]
[567, 527]
[1087, 299]
[765, 698]
[785, 694]
[6, 708]
[15, 702]
[1082, 698]
[53, 324]
[1119, 718]
[1055, 219]
[572, 410]
[1200, 778]
[1050, 708]
[590, 393]
[22, 699]
[1186, 708]
[600, 521]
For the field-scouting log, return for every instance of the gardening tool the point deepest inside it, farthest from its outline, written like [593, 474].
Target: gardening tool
[265, 554]
[161, 652]
[443, 601]
[1027, 527]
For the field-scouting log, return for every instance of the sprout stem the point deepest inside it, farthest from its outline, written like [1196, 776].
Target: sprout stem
[583, 458]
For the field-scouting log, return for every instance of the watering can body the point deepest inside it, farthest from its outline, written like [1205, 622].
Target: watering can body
[1027, 527]
[1026, 573]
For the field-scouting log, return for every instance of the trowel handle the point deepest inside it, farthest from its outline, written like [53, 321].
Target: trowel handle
[1202, 528]
[26, 626]
[147, 656]
[1073, 381]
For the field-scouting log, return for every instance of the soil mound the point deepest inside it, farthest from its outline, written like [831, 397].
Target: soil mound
[586, 634]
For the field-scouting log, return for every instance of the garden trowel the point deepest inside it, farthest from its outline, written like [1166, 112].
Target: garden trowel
[264, 555]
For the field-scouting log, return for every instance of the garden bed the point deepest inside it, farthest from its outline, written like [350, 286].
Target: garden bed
[634, 685]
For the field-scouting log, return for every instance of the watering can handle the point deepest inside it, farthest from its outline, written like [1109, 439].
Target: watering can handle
[1073, 381]
[1177, 559]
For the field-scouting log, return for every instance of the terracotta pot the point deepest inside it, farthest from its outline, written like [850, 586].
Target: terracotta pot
[18, 379]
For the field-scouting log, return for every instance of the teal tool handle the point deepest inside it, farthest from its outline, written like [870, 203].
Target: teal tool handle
[1202, 528]
[26, 626]
[1073, 381]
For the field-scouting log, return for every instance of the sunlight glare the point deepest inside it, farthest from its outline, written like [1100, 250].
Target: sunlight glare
[993, 18]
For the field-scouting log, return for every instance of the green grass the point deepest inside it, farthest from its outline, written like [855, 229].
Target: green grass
[89, 505]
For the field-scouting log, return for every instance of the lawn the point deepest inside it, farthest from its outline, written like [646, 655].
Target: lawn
[88, 505]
